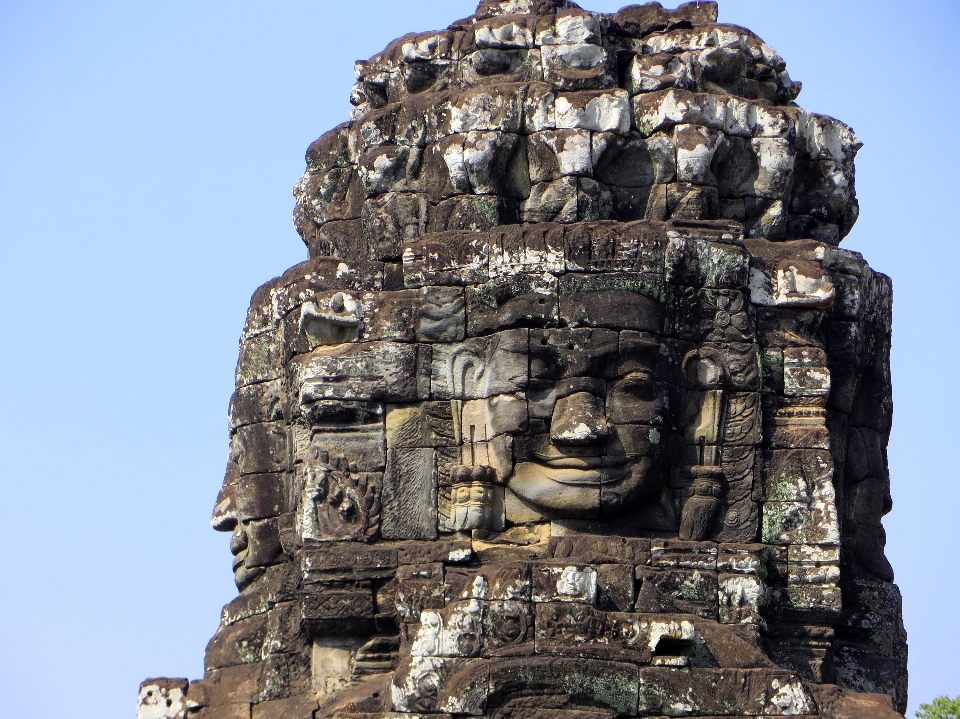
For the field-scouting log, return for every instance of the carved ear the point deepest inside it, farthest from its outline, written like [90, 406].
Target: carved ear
[705, 368]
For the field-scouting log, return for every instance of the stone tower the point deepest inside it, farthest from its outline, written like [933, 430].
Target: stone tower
[576, 409]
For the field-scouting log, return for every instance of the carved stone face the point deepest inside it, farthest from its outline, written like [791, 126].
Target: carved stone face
[599, 416]
[567, 422]
[490, 395]
[548, 404]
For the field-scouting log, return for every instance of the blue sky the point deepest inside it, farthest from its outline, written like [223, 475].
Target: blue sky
[147, 155]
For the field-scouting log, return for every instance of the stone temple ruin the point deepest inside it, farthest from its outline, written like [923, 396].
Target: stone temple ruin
[576, 409]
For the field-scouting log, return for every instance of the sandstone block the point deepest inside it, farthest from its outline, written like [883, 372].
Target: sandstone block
[387, 371]
[525, 300]
[482, 366]
[690, 591]
[711, 691]
[629, 301]
[260, 447]
[410, 494]
[451, 258]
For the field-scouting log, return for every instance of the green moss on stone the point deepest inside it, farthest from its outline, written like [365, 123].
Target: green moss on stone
[613, 690]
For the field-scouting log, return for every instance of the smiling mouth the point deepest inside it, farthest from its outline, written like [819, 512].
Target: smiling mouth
[581, 487]
[584, 462]
[584, 471]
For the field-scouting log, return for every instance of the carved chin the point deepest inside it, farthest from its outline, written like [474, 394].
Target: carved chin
[566, 493]
[242, 575]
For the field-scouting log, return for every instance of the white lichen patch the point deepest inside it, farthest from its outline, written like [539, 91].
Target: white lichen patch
[156, 702]
[786, 698]
[424, 675]
[459, 555]
[571, 30]
[607, 112]
[675, 630]
[740, 599]
[506, 35]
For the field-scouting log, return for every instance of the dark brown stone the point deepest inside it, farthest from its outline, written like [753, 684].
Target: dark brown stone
[627, 301]
[441, 550]
[419, 587]
[260, 359]
[337, 238]
[256, 403]
[677, 590]
[232, 685]
[341, 561]
[284, 676]
[724, 691]
[260, 495]
[641, 20]
[345, 609]
[261, 448]
[239, 643]
[520, 301]
[293, 708]
[837, 703]
[555, 683]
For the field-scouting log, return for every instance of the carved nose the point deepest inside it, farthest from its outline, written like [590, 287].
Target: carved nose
[579, 419]
[224, 518]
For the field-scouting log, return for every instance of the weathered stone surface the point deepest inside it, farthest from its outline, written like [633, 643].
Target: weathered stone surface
[410, 494]
[371, 371]
[564, 684]
[708, 692]
[293, 708]
[677, 590]
[523, 300]
[452, 258]
[162, 699]
[260, 495]
[624, 301]
[482, 367]
[340, 609]
[576, 409]
[260, 402]
[260, 448]
[602, 635]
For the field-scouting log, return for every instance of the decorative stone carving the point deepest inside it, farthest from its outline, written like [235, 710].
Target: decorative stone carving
[700, 510]
[576, 408]
[338, 503]
[473, 502]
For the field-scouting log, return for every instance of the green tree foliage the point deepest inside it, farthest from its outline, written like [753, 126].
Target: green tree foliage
[942, 708]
